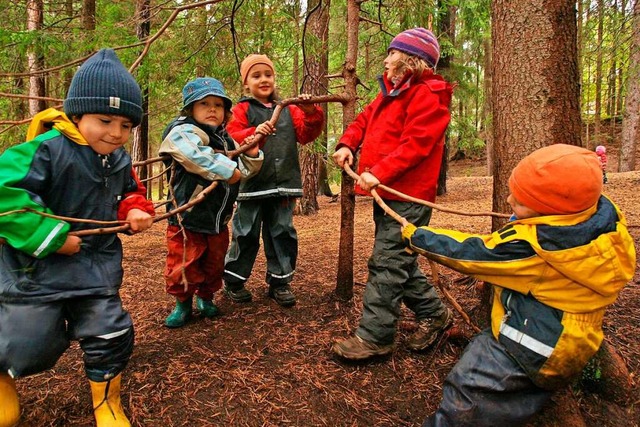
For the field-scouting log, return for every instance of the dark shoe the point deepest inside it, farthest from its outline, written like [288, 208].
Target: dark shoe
[237, 293]
[429, 329]
[179, 315]
[356, 348]
[282, 295]
[206, 307]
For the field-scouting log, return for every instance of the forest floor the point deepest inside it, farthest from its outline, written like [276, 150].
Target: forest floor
[259, 364]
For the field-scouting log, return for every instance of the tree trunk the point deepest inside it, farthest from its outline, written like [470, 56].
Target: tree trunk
[344, 279]
[140, 143]
[631, 116]
[487, 123]
[315, 83]
[532, 106]
[598, 101]
[35, 58]
[446, 29]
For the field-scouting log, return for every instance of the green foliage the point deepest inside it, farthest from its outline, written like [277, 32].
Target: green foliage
[200, 42]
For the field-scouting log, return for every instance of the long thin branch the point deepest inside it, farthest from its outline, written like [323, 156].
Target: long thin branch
[432, 264]
[126, 227]
[174, 15]
[320, 99]
[436, 206]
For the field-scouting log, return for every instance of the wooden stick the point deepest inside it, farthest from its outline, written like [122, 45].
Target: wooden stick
[432, 264]
[441, 208]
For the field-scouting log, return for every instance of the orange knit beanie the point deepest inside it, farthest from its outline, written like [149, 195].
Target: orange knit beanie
[557, 180]
[250, 61]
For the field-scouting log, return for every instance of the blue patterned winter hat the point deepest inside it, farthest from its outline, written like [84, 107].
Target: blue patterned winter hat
[202, 87]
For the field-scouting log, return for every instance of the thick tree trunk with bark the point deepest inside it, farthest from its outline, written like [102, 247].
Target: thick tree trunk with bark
[535, 84]
[631, 117]
[315, 83]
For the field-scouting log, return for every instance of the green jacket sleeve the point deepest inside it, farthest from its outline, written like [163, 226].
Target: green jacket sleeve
[20, 224]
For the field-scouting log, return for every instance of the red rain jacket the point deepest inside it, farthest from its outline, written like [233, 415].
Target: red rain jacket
[401, 135]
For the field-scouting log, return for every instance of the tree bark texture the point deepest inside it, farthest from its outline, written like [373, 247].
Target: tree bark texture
[535, 90]
[631, 116]
[140, 143]
[344, 279]
[315, 83]
[35, 58]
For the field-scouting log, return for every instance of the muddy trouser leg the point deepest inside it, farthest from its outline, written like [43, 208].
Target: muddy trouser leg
[280, 241]
[32, 337]
[212, 264]
[183, 261]
[105, 332]
[419, 295]
[487, 388]
[394, 276]
[245, 242]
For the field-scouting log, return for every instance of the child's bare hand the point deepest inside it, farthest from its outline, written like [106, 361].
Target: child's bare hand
[342, 155]
[237, 175]
[71, 246]
[253, 151]
[306, 108]
[265, 128]
[403, 223]
[139, 220]
[367, 181]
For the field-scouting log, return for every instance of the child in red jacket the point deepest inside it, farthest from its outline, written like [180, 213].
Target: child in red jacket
[400, 136]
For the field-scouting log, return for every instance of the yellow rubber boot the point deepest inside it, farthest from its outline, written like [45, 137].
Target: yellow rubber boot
[9, 405]
[107, 407]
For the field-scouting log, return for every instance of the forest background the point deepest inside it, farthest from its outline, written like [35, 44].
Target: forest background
[42, 43]
[167, 43]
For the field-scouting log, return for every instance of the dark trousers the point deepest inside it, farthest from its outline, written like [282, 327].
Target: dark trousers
[34, 336]
[274, 217]
[395, 277]
[487, 388]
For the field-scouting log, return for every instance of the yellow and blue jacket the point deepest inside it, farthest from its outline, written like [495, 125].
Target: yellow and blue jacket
[554, 276]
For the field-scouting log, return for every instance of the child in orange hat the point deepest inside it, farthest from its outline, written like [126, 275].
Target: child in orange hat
[555, 267]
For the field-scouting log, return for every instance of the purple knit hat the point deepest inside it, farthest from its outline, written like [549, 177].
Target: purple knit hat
[419, 42]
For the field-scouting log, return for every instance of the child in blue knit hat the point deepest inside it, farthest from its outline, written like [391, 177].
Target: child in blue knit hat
[55, 286]
[400, 138]
[197, 239]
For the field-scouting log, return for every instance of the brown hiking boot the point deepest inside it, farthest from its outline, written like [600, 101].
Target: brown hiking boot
[355, 348]
[429, 329]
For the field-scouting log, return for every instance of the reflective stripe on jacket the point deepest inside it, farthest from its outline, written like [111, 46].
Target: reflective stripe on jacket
[554, 277]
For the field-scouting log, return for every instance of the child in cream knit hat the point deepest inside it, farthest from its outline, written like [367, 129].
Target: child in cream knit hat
[266, 201]
[556, 267]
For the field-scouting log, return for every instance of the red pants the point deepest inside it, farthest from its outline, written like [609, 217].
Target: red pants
[201, 257]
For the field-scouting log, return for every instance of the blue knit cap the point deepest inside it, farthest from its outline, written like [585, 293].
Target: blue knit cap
[103, 86]
[202, 87]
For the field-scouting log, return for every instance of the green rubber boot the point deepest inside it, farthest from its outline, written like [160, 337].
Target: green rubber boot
[206, 307]
[179, 315]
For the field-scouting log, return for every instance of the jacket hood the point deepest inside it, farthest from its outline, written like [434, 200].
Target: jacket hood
[52, 118]
[577, 247]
